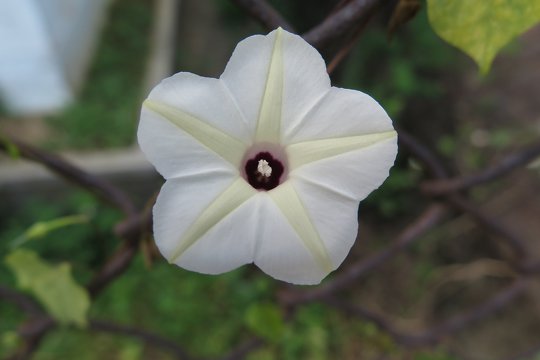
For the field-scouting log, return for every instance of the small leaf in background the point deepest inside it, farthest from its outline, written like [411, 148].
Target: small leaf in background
[481, 28]
[11, 149]
[266, 321]
[53, 285]
[42, 228]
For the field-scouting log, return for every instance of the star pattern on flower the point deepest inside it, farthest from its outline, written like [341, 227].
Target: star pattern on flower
[266, 164]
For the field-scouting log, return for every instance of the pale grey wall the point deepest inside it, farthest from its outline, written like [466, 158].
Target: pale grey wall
[45, 49]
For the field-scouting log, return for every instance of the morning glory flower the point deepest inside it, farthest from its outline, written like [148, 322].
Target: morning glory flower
[266, 164]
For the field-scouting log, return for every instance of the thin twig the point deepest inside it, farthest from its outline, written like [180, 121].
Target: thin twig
[33, 332]
[341, 22]
[264, 13]
[113, 268]
[423, 153]
[492, 225]
[22, 301]
[508, 164]
[144, 335]
[346, 49]
[436, 333]
[426, 221]
[243, 349]
[461, 202]
[103, 189]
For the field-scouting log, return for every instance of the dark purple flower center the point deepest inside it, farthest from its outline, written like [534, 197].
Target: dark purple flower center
[263, 171]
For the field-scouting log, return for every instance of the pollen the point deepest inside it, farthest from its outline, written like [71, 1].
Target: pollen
[264, 169]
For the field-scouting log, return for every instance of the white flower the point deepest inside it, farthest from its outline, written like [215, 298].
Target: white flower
[266, 164]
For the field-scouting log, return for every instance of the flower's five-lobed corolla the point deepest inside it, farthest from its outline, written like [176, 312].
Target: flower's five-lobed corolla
[266, 164]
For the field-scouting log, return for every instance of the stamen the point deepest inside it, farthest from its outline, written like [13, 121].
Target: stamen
[263, 168]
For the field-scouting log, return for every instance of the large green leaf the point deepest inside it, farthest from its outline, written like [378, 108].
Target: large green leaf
[482, 27]
[52, 285]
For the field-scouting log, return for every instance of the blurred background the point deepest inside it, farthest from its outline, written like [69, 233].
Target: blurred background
[73, 74]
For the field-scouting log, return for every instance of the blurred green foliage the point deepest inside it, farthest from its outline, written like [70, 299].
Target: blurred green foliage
[106, 111]
[208, 315]
[395, 71]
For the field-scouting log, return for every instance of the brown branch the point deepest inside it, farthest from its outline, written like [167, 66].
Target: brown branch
[490, 224]
[243, 349]
[33, 332]
[56, 164]
[264, 13]
[131, 230]
[461, 202]
[341, 22]
[144, 335]
[507, 165]
[437, 333]
[22, 301]
[346, 49]
[426, 221]
[115, 266]
[424, 154]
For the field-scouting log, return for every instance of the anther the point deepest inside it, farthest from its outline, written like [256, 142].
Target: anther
[264, 169]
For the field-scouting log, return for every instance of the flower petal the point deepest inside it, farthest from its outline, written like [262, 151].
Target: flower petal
[340, 113]
[280, 252]
[167, 147]
[188, 210]
[275, 79]
[214, 139]
[334, 215]
[353, 174]
[286, 198]
[206, 99]
[188, 114]
[309, 151]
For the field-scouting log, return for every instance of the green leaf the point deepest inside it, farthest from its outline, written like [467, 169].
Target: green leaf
[11, 149]
[53, 285]
[266, 321]
[42, 228]
[481, 28]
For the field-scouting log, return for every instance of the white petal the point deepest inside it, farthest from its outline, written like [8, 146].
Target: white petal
[207, 224]
[341, 112]
[306, 152]
[191, 124]
[219, 142]
[174, 152]
[299, 68]
[287, 200]
[334, 216]
[207, 99]
[227, 245]
[353, 174]
[280, 252]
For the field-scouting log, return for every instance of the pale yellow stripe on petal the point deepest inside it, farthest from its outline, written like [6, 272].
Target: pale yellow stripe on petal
[230, 199]
[269, 122]
[226, 146]
[308, 151]
[289, 203]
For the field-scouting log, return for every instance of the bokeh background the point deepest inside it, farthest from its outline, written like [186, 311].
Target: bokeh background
[429, 89]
